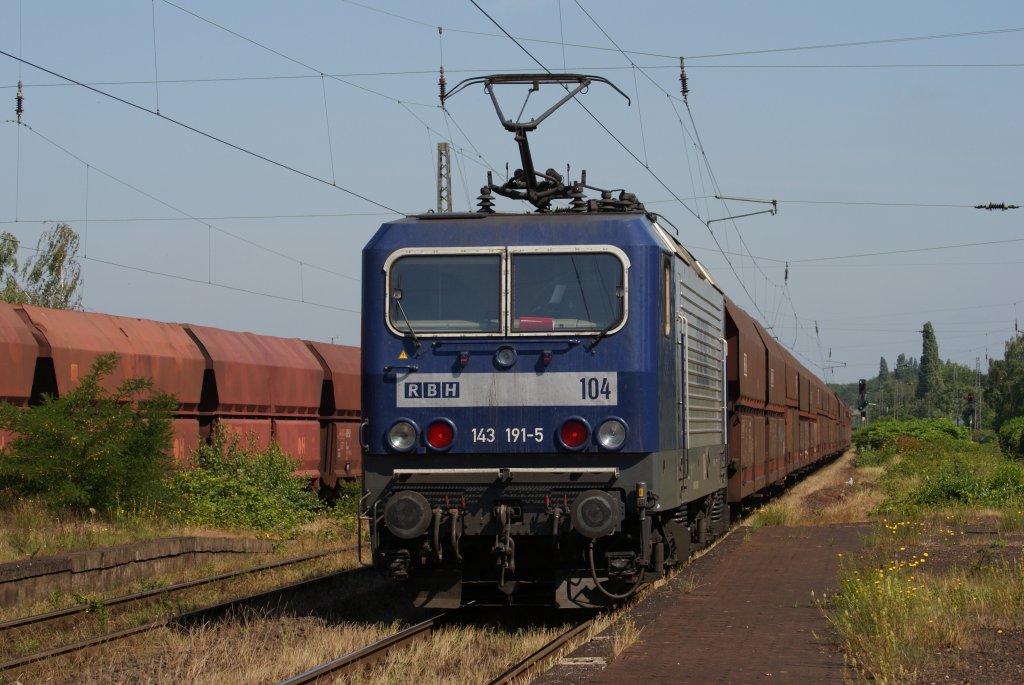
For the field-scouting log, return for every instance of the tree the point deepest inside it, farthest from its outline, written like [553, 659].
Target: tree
[49, 278]
[883, 370]
[906, 370]
[1005, 382]
[930, 372]
[8, 266]
[92, 447]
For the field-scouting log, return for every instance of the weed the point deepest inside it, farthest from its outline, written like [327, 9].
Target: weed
[879, 434]
[95, 607]
[894, 617]
[893, 620]
[232, 484]
[27, 646]
[688, 584]
[1012, 519]
[1011, 437]
[92, 447]
[771, 514]
[626, 633]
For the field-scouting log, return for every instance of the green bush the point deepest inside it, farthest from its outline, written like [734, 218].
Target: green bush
[91, 448]
[879, 434]
[1011, 437]
[231, 484]
[940, 473]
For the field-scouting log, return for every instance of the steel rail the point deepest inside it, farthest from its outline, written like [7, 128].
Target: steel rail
[146, 594]
[534, 660]
[183, 619]
[369, 654]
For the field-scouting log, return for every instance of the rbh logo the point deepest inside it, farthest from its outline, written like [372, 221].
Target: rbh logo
[446, 390]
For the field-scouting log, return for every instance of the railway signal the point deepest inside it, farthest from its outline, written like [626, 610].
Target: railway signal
[968, 415]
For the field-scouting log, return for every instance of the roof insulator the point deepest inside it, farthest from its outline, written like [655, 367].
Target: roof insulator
[19, 103]
[579, 202]
[684, 84]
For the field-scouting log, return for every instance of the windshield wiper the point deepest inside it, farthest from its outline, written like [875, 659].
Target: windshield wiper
[397, 297]
[615, 322]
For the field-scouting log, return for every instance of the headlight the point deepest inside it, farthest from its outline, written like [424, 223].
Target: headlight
[611, 434]
[505, 357]
[402, 435]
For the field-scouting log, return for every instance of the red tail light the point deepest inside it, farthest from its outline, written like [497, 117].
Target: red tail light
[440, 435]
[574, 434]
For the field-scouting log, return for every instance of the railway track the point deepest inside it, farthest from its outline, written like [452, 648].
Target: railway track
[371, 653]
[182, 619]
[536, 660]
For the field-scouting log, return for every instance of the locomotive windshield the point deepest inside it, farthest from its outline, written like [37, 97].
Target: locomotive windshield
[579, 292]
[516, 290]
[446, 293]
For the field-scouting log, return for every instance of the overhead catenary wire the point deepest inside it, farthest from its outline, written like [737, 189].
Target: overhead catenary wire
[702, 155]
[498, 70]
[289, 58]
[879, 253]
[762, 51]
[156, 69]
[185, 215]
[223, 217]
[199, 281]
[403, 103]
[327, 128]
[886, 265]
[200, 132]
[852, 203]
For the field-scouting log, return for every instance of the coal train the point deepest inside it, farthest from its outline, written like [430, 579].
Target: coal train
[303, 395]
[560, 406]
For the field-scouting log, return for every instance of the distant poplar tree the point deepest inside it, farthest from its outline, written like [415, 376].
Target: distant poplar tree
[902, 364]
[929, 374]
[1005, 382]
[883, 370]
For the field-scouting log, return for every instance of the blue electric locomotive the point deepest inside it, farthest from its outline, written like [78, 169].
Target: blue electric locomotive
[544, 395]
[545, 405]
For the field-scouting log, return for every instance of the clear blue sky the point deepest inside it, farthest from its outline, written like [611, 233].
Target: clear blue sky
[890, 124]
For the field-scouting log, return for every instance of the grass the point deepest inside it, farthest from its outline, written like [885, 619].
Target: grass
[29, 528]
[772, 514]
[101, 619]
[894, 620]
[267, 647]
[943, 571]
[841, 492]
